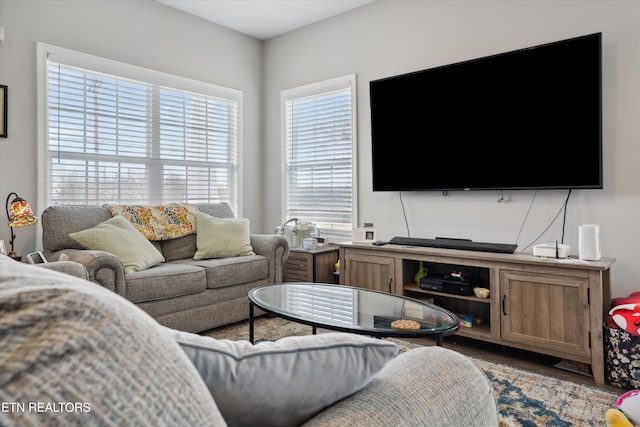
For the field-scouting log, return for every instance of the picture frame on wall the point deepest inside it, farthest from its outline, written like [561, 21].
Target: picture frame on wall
[3, 110]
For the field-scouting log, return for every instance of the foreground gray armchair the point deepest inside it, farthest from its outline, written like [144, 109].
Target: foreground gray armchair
[95, 359]
[181, 293]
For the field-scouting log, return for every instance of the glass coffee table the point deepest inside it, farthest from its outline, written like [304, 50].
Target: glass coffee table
[355, 310]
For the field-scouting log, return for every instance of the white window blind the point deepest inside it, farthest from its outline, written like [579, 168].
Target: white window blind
[319, 134]
[113, 139]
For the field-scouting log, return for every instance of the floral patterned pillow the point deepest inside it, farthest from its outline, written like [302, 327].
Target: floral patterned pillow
[162, 222]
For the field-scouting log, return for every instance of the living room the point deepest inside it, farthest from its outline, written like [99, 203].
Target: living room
[379, 39]
[376, 40]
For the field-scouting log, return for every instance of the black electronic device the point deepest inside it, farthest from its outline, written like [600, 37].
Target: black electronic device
[461, 244]
[449, 286]
[525, 119]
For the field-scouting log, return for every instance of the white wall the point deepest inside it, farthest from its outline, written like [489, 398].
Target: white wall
[139, 32]
[377, 40]
[391, 37]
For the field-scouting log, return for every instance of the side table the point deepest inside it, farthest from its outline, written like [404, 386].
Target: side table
[311, 265]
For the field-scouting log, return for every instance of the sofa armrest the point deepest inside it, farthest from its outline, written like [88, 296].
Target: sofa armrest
[102, 267]
[68, 267]
[428, 386]
[276, 250]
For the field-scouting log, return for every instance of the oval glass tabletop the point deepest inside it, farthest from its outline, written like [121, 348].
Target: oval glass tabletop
[356, 310]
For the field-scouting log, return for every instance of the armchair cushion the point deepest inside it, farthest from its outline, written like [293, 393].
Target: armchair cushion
[425, 386]
[286, 382]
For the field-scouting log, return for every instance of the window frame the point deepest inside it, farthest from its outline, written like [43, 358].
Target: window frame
[125, 71]
[343, 82]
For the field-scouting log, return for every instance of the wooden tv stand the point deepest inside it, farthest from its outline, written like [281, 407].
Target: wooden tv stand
[549, 306]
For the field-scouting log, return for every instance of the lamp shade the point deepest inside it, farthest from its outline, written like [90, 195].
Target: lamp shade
[20, 213]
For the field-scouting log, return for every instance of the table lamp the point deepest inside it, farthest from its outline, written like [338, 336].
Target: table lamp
[19, 214]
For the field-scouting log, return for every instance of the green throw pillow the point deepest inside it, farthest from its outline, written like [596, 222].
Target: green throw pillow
[222, 237]
[118, 236]
[284, 383]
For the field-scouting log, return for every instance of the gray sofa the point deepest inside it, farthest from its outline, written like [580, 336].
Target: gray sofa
[180, 293]
[75, 354]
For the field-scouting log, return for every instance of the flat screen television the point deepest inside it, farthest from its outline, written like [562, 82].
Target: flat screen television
[526, 119]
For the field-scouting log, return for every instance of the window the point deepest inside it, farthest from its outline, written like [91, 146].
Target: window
[319, 137]
[116, 133]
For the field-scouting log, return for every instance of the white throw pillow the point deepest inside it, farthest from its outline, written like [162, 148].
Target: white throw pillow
[221, 237]
[118, 236]
[284, 382]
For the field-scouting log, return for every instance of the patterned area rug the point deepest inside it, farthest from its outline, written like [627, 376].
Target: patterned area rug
[524, 398]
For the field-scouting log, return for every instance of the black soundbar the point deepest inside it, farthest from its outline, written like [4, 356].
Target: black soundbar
[465, 245]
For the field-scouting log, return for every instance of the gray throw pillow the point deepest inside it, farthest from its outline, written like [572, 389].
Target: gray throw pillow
[284, 382]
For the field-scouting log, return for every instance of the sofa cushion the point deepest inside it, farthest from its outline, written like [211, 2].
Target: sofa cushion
[232, 271]
[166, 280]
[59, 221]
[67, 340]
[118, 236]
[161, 222]
[286, 382]
[222, 237]
[180, 248]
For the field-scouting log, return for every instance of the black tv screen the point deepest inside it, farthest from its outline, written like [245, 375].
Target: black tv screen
[526, 119]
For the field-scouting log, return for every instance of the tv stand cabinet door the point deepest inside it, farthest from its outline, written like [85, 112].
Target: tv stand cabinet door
[548, 313]
[368, 271]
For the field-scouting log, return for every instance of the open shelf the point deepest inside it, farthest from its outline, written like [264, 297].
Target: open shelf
[480, 331]
[415, 288]
[459, 305]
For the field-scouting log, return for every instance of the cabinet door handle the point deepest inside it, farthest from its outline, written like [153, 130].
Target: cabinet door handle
[390, 283]
[504, 305]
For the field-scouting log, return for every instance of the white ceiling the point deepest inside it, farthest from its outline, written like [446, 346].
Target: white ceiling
[264, 19]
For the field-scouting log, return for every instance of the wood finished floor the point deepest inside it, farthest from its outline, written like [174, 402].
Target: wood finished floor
[534, 362]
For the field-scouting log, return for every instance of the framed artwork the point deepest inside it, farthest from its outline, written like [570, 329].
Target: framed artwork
[3, 111]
